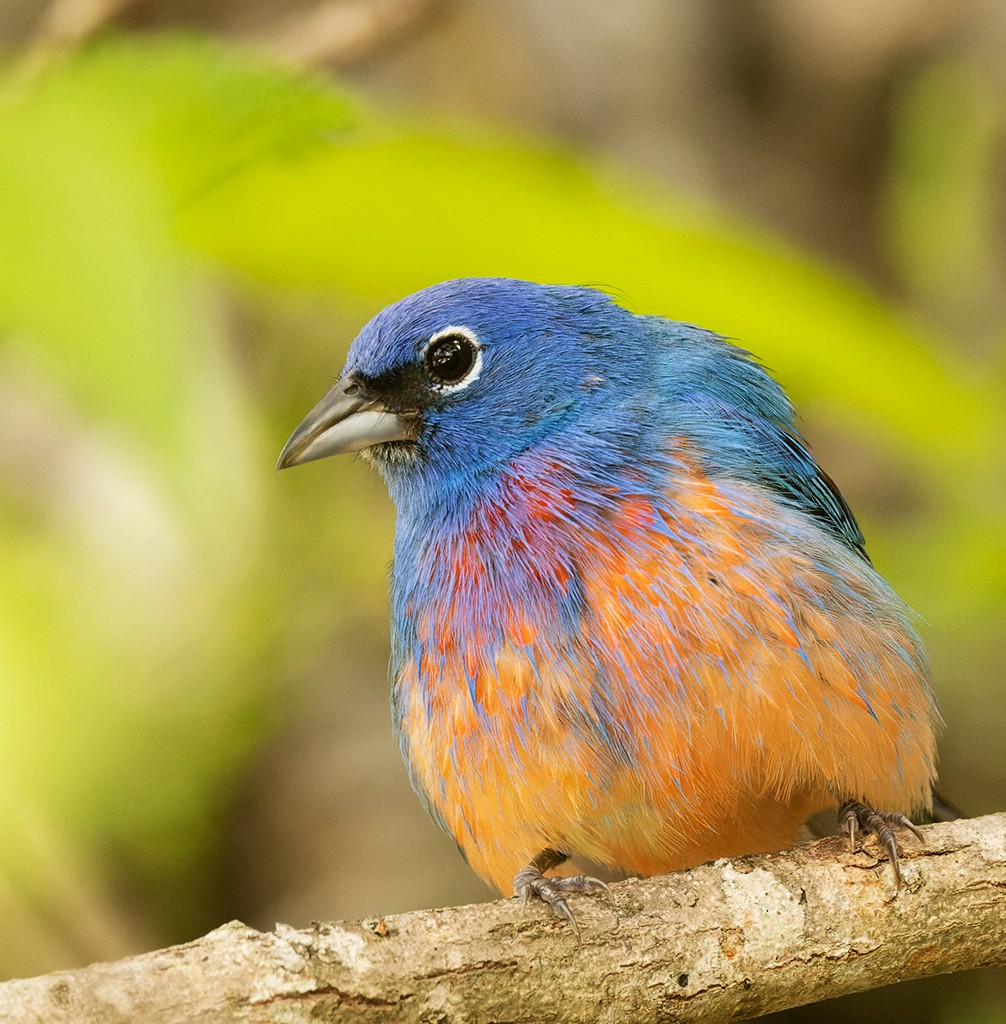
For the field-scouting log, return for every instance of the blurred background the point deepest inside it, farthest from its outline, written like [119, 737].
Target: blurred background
[200, 204]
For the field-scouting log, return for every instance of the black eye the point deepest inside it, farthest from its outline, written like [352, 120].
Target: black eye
[450, 358]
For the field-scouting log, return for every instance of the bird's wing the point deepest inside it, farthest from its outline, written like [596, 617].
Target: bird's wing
[774, 455]
[741, 423]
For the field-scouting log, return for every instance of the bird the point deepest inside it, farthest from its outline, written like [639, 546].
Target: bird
[634, 623]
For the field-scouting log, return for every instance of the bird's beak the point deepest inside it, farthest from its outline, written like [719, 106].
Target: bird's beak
[345, 420]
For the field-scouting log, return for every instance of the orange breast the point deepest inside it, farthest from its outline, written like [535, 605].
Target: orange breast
[732, 671]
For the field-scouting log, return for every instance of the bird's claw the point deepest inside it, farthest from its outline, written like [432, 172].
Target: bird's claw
[854, 817]
[532, 882]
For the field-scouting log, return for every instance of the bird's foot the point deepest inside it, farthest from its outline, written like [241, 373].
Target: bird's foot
[531, 882]
[854, 817]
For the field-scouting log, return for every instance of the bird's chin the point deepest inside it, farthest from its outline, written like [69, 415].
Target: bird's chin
[391, 454]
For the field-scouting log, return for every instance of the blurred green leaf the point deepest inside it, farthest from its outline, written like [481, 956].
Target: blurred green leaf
[135, 658]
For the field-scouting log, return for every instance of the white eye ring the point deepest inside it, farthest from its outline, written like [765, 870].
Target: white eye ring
[453, 367]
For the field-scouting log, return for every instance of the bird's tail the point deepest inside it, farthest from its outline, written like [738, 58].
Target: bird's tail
[944, 810]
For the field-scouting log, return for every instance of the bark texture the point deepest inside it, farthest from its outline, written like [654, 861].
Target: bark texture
[726, 941]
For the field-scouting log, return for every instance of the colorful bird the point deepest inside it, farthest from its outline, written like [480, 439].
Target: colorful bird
[634, 623]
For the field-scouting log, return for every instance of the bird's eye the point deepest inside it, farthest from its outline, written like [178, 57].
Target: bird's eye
[453, 358]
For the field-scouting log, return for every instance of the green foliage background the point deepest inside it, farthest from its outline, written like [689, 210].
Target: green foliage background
[189, 238]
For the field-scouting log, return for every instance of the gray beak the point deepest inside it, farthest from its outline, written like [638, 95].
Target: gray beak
[345, 420]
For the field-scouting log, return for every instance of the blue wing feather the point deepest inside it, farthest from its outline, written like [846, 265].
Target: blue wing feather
[741, 421]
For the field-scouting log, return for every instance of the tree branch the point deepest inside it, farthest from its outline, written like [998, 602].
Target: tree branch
[340, 32]
[729, 940]
[67, 24]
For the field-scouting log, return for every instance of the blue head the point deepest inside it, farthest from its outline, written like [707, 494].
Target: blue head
[458, 378]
